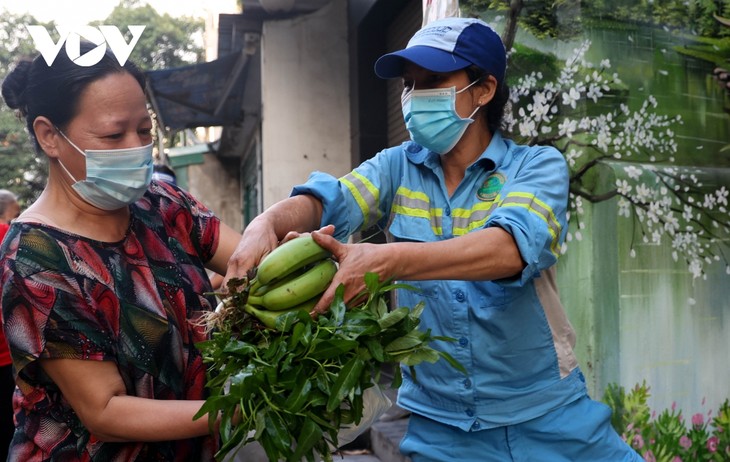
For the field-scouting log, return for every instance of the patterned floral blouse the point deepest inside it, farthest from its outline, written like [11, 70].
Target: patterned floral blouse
[134, 302]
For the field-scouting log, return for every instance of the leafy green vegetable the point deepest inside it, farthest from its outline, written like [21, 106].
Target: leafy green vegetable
[296, 385]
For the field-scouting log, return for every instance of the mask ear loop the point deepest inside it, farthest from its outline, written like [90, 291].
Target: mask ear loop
[464, 89]
[75, 147]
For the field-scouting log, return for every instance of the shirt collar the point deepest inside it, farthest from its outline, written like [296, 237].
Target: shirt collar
[494, 154]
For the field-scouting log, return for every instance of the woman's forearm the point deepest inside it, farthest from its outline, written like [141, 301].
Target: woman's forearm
[487, 254]
[129, 418]
[299, 213]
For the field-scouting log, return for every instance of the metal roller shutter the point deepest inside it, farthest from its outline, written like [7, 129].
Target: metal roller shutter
[402, 28]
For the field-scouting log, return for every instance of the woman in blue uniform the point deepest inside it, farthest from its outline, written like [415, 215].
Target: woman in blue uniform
[476, 222]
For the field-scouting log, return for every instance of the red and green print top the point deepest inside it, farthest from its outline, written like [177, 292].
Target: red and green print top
[134, 302]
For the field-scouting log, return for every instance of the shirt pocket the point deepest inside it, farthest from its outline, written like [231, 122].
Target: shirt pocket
[416, 225]
[495, 296]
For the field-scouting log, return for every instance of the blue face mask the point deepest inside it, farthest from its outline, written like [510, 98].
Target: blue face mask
[115, 178]
[431, 117]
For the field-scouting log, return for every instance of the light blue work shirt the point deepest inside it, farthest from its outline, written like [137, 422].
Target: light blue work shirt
[511, 335]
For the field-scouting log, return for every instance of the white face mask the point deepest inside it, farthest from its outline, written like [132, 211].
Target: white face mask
[115, 178]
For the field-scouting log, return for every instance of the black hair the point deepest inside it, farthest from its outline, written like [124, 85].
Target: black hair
[495, 108]
[33, 88]
[162, 168]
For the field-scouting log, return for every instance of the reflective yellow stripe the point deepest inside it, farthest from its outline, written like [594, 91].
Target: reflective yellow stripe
[417, 204]
[365, 194]
[466, 220]
[539, 208]
[418, 195]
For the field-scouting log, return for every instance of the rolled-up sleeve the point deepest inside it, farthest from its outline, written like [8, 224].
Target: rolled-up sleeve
[533, 210]
[359, 199]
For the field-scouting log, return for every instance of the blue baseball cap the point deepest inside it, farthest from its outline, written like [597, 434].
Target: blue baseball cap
[448, 45]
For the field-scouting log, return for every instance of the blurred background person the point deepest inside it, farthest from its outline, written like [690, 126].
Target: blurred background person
[9, 210]
[162, 172]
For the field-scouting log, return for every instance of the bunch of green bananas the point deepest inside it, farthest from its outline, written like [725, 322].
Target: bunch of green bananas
[292, 277]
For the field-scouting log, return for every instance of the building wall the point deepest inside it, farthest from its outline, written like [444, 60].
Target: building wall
[215, 183]
[305, 96]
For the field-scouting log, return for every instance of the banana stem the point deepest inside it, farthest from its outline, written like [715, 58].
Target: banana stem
[254, 300]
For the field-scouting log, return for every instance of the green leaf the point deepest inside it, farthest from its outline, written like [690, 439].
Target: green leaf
[240, 349]
[337, 307]
[376, 350]
[356, 326]
[298, 397]
[285, 322]
[417, 310]
[357, 407]
[381, 307]
[418, 356]
[296, 335]
[454, 363]
[400, 285]
[409, 341]
[326, 349]
[372, 282]
[311, 433]
[276, 431]
[346, 381]
[397, 378]
[392, 318]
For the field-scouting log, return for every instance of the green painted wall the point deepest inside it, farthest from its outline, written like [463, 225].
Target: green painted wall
[634, 318]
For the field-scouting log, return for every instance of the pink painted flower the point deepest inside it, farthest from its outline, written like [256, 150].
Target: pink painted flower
[698, 420]
[638, 442]
[649, 456]
[712, 444]
[685, 442]
[677, 459]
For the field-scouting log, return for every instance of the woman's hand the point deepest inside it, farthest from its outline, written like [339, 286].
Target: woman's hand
[354, 261]
[257, 241]
[281, 221]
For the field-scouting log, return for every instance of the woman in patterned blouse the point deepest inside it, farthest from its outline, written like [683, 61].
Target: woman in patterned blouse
[104, 277]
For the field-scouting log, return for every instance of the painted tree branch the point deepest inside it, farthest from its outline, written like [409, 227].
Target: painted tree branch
[668, 203]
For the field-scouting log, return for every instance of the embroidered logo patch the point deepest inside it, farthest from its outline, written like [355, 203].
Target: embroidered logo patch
[491, 187]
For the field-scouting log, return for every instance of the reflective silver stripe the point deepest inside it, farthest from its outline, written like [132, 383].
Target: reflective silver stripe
[466, 220]
[416, 204]
[366, 196]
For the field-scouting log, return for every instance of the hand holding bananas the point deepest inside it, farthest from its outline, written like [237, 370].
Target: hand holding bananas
[297, 380]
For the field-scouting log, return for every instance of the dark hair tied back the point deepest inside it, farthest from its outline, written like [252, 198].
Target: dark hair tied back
[14, 86]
